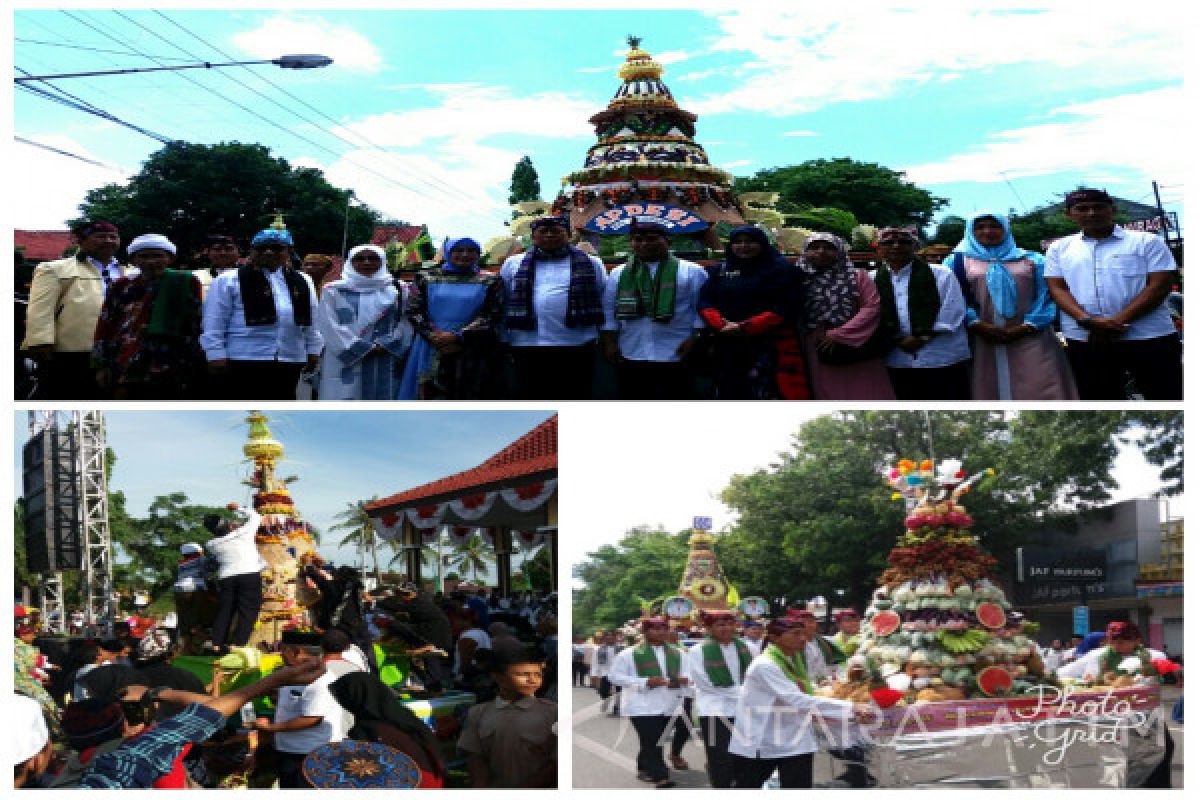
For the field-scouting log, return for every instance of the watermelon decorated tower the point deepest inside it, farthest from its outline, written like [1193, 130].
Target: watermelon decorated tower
[646, 162]
[938, 628]
[283, 539]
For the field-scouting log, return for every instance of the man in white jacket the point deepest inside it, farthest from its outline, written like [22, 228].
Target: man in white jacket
[239, 576]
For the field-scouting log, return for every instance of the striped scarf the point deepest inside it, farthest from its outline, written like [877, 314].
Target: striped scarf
[715, 666]
[639, 295]
[583, 295]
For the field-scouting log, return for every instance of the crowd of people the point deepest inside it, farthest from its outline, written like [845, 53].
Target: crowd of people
[745, 688]
[1089, 320]
[118, 713]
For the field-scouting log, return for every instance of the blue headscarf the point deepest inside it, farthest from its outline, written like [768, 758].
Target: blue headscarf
[1001, 285]
[272, 235]
[453, 243]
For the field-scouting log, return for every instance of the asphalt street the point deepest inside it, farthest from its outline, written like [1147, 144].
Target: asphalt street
[604, 750]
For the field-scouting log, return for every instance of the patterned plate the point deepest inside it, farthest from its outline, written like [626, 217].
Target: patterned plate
[360, 765]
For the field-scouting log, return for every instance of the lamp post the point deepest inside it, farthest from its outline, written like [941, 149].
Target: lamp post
[300, 61]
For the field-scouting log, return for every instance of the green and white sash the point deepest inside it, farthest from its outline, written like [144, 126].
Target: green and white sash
[716, 667]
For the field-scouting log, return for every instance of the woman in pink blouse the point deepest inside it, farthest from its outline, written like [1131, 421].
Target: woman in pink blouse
[841, 312]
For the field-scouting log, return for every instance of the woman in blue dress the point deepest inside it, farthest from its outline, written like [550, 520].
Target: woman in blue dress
[454, 310]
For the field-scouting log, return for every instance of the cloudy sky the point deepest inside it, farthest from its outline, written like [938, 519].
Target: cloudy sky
[338, 457]
[426, 111]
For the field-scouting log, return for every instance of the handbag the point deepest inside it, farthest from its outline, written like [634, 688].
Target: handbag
[878, 346]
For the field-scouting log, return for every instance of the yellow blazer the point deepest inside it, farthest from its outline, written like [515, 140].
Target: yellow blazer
[64, 304]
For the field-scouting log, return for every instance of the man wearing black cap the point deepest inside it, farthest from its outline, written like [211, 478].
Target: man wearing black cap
[65, 298]
[221, 253]
[650, 317]
[239, 575]
[1111, 287]
[552, 314]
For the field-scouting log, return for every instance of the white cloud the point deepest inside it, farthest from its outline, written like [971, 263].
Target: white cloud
[803, 58]
[290, 33]
[735, 164]
[799, 133]
[71, 179]
[1114, 134]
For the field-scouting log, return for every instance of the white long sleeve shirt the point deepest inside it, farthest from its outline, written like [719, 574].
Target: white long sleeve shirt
[775, 717]
[643, 339]
[637, 699]
[551, 284]
[1089, 664]
[235, 552]
[602, 660]
[226, 335]
[755, 645]
[950, 345]
[714, 701]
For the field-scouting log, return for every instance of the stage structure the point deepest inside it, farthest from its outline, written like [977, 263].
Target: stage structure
[512, 499]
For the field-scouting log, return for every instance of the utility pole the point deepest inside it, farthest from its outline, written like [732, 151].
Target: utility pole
[1162, 215]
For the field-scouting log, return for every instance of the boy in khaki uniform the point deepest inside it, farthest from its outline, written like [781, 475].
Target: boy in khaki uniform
[511, 741]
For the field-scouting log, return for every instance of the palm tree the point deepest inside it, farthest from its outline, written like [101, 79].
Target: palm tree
[360, 531]
[474, 555]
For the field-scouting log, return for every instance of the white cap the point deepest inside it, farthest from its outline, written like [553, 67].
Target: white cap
[150, 241]
[28, 729]
[190, 549]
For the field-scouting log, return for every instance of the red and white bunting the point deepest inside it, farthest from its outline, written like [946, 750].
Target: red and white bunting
[473, 507]
[459, 533]
[388, 526]
[426, 517]
[531, 496]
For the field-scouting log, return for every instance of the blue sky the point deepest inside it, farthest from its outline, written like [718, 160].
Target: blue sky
[338, 457]
[990, 105]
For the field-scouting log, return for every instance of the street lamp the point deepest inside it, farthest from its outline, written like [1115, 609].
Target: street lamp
[300, 61]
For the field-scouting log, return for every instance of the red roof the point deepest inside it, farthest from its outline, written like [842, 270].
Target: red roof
[533, 456]
[43, 245]
[395, 233]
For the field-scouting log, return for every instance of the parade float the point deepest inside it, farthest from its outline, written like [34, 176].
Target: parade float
[646, 162]
[963, 697]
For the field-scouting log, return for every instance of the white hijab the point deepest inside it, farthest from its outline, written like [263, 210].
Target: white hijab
[352, 279]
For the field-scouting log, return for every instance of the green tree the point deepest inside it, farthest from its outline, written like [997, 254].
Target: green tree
[360, 532]
[828, 220]
[871, 192]
[473, 556]
[950, 230]
[645, 564]
[525, 186]
[1030, 230]
[186, 191]
[538, 570]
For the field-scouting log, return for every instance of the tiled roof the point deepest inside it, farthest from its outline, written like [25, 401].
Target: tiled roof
[42, 245]
[400, 233]
[534, 455]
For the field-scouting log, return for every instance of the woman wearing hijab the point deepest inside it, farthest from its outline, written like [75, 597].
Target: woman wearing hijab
[454, 310]
[379, 717]
[748, 302]
[841, 316]
[148, 333]
[361, 318]
[1009, 315]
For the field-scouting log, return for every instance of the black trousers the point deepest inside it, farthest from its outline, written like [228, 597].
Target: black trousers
[650, 753]
[241, 593]
[1156, 366]
[932, 383]
[653, 380]
[682, 729]
[261, 380]
[717, 732]
[66, 376]
[554, 373]
[795, 772]
[291, 771]
[579, 673]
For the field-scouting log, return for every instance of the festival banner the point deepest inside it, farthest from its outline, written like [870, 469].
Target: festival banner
[616, 221]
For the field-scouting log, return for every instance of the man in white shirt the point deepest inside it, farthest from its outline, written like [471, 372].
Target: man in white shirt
[306, 717]
[650, 318]
[239, 576]
[1111, 287]
[715, 668]
[602, 660]
[552, 314]
[923, 307]
[258, 323]
[1121, 653]
[651, 677]
[752, 635]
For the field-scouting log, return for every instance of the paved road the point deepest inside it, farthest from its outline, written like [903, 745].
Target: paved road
[604, 749]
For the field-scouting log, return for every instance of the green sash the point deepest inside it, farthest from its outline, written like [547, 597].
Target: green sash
[715, 666]
[847, 644]
[793, 667]
[830, 651]
[647, 663]
[638, 294]
[175, 305]
[1111, 658]
[924, 302]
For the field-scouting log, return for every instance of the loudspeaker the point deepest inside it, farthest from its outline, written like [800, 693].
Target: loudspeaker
[51, 502]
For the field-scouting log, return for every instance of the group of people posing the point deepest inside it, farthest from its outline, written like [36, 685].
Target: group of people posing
[981, 325]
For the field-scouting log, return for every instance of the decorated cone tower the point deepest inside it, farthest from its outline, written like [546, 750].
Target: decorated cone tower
[938, 628]
[283, 540]
[704, 581]
[646, 162]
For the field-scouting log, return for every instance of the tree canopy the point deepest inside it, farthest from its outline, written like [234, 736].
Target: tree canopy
[821, 521]
[872, 193]
[525, 186]
[187, 191]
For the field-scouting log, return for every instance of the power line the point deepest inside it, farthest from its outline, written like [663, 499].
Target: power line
[66, 153]
[65, 98]
[89, 49]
